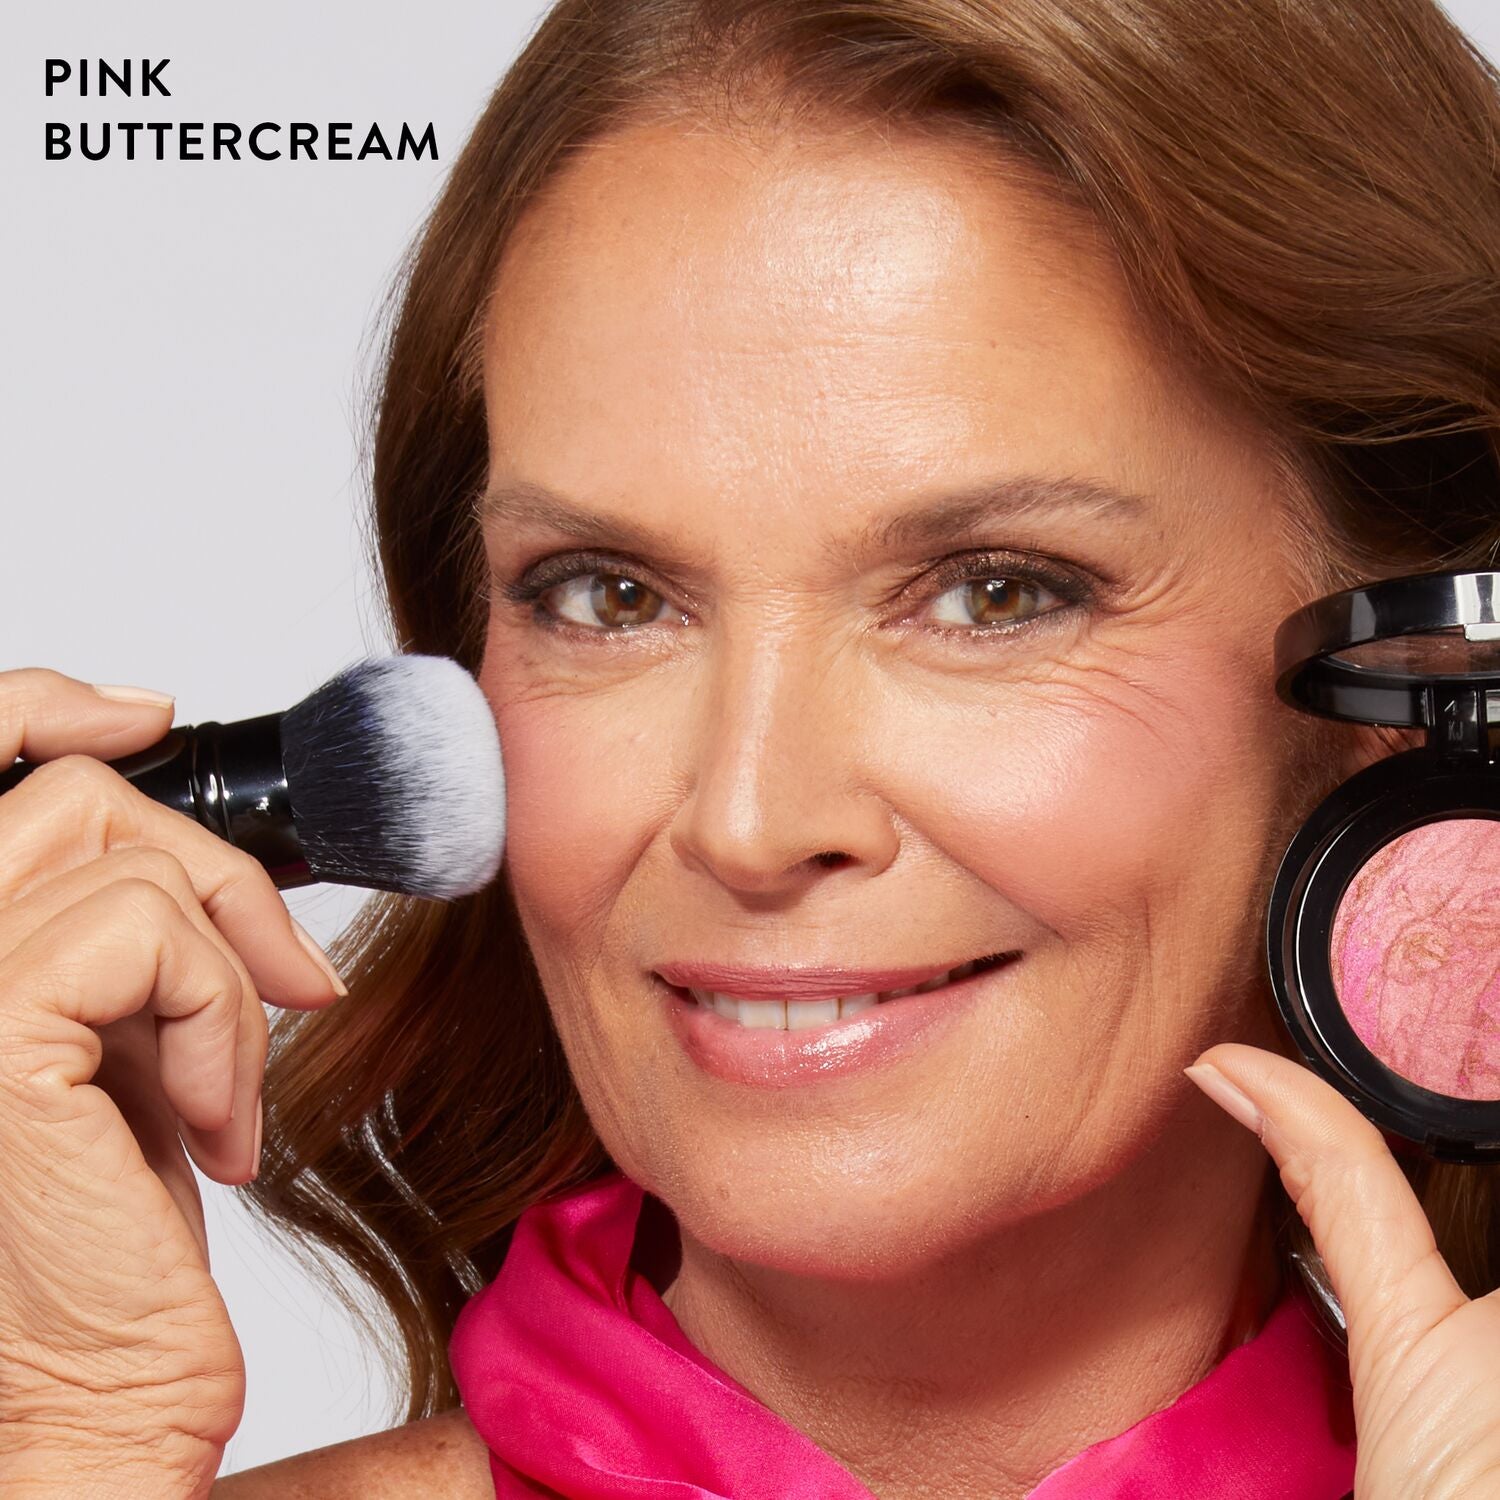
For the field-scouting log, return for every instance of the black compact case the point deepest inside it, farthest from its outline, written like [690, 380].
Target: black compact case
[1418, 651]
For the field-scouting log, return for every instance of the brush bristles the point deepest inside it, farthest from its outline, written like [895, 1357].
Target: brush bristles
[395, 778]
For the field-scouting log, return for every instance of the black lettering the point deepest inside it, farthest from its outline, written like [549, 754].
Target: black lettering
[159, 129]
[374, 141]
[106, 73]
[129, 127]
[255, 141]
[222, 129]
[151, 77]
[83, 142]
[429, 138]
[338, 135]
[58, 71]
[304, 135]
[184, 140]
[57, 136]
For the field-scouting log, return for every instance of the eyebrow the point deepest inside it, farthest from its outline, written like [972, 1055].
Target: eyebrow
[930, 523]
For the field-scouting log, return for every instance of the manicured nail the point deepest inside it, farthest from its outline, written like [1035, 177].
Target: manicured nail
[319, 957]
[260, 1121]
[134, 694]
[1225, 1095]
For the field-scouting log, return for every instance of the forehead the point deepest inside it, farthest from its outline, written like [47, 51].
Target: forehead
[814, 318]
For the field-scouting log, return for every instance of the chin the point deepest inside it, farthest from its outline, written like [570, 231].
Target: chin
[841, 1213]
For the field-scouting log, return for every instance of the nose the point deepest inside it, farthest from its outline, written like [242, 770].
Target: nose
[779, 771]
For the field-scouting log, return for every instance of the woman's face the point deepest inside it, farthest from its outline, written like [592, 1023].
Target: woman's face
[1045, 727]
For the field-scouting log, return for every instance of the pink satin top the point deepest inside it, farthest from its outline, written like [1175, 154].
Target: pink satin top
[580, 1381]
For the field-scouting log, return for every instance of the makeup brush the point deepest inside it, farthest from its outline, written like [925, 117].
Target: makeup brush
[388, 776]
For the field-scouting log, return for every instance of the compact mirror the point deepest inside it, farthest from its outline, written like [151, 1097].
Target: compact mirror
[1383, 930]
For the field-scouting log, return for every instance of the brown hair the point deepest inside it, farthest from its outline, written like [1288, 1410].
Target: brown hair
[1302, 198]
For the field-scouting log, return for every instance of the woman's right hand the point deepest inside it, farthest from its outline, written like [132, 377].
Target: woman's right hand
[135, 950]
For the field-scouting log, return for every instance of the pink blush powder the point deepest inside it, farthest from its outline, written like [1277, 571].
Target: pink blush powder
[1415, 955]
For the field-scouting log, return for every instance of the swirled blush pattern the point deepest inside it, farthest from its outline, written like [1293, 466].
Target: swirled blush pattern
[1415, 954]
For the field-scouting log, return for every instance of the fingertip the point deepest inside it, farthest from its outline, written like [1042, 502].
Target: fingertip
[139, 696]
[320, 959]
[1227, 1096]
[1232, 1057]
[1255, 1072]
[51, 715]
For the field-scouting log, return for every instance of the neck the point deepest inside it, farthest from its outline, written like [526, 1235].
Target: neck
[984, 1372]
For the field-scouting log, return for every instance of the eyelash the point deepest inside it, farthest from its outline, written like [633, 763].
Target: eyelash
[969, 568]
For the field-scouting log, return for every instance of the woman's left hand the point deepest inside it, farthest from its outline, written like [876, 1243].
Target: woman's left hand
[1424, 1359]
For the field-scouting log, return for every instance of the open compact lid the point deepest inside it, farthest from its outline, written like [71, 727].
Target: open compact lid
[1421, 650]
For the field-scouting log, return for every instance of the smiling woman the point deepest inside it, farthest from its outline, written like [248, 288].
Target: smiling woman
[864, 452]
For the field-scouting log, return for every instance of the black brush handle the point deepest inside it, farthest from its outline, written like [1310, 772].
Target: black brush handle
[227, 777]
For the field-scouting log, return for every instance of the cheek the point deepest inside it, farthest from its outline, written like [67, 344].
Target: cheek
[577, 808]
[1102, 801]
[577, 816]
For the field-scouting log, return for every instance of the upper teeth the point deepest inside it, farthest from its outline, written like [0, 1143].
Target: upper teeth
[793, 1015]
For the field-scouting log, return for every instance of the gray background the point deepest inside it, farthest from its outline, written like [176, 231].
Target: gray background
[185, 355]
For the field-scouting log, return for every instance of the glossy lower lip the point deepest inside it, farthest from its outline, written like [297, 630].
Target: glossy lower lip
[765, 1058]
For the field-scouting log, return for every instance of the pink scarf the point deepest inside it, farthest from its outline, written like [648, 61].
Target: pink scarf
[580, 1381]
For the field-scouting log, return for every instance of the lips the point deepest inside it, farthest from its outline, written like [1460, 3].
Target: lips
[771, 1056]
[802, 982]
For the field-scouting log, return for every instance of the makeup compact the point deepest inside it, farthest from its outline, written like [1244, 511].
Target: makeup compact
[1383, 932]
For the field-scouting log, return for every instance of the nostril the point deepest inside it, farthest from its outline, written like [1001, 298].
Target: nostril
[830, 857]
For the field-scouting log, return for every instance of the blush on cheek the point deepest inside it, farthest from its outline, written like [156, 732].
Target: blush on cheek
[576, 792]
[1082, 815]
[1415, 955]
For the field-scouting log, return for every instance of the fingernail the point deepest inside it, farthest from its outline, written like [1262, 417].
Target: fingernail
[1225, 1095]
[133, 694]
[260, 1121]
[319, 957]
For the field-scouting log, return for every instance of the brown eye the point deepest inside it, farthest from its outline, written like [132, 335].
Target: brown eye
[995, 601]
[614, 601]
